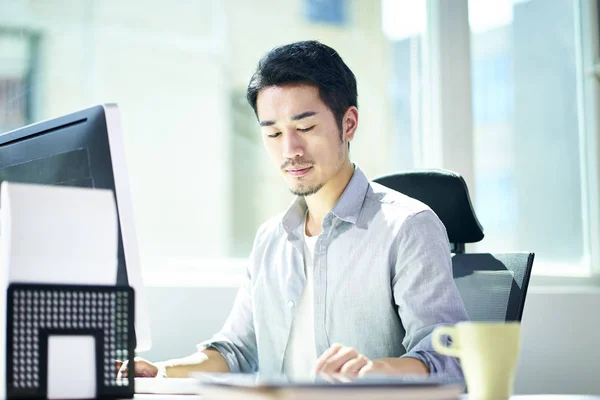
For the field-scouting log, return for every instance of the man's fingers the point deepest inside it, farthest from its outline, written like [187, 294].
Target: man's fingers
[353, 366]
[335, 362]
[326, 355]
[122, 371]
[368, 367]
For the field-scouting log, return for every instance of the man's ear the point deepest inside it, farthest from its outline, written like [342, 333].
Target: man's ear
[349, 123]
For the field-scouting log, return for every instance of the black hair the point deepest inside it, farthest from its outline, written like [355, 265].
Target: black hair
[308, 62]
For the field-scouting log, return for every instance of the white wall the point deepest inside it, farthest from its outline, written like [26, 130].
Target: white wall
[163, 65]
[560, 340]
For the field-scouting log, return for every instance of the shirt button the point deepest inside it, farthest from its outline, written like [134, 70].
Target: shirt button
[290, 304]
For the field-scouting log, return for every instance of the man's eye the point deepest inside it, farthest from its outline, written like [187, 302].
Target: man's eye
[274, 135]
[306, 129]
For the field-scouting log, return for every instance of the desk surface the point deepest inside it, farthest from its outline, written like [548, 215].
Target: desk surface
[166, 397]
[520, 397]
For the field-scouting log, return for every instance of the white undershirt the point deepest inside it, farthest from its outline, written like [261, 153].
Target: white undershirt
[301, 353]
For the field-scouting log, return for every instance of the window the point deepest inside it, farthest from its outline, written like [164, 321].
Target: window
[532, 167]
[17, 72]
[529, 169]
[404, 23]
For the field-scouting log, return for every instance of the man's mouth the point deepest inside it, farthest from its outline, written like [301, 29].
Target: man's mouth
[298, 171]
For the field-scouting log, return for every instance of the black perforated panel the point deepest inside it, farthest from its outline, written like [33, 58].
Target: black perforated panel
[35, 311]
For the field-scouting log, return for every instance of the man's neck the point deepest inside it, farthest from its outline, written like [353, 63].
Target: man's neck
[320, 203]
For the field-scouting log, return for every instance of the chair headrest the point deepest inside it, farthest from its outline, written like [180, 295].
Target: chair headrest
[446, 193]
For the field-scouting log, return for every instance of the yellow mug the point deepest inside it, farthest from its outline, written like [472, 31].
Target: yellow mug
[488, 353]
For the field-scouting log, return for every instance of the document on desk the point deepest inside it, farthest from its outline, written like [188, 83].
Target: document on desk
[58, 234]
[338, 386]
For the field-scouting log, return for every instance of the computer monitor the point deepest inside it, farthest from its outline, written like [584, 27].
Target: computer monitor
[84, 149]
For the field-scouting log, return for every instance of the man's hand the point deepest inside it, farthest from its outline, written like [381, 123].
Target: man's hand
[346, 360]
[340, 359]
[143, 369]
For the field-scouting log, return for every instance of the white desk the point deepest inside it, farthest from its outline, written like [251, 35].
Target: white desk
[166, 397]
[519, 397]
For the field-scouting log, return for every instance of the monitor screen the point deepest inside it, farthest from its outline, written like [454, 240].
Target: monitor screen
[84, 149]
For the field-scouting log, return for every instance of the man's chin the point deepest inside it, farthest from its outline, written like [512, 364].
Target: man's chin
[303, 190]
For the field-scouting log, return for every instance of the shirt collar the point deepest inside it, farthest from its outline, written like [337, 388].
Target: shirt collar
[347, 207]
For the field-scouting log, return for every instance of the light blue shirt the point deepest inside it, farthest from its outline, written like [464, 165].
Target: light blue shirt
[382, 283]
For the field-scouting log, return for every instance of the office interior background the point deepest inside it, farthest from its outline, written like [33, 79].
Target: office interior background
[504, 92]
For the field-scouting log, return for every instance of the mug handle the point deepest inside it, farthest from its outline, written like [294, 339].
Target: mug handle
[436, 339]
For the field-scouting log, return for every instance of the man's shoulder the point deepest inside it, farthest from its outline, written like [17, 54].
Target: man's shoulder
[404, 215]
[266, 241]
[269, 228]
[394, 204]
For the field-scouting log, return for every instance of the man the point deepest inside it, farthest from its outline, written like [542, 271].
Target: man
[354, 277]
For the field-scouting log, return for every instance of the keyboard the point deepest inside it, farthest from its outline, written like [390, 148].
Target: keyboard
[167, 386]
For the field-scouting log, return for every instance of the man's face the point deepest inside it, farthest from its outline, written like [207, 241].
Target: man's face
[301, 136]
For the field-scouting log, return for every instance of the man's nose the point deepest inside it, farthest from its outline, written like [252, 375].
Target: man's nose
[292, 145]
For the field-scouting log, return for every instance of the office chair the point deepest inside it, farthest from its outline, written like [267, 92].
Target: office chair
[492, 286]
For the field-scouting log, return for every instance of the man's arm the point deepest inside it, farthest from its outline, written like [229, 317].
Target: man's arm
[425, 291]
[403, 365]
[209, 360]
[202, 361]
[233, 349]
[236, 342]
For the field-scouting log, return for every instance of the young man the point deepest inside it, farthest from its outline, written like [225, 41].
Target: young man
[353, 277]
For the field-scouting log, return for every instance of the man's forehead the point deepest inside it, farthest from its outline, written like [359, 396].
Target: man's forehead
[288, 103]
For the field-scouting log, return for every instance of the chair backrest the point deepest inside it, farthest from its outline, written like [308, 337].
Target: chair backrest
[492, 286]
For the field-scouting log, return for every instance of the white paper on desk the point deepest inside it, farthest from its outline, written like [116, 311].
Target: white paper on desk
[58, 234]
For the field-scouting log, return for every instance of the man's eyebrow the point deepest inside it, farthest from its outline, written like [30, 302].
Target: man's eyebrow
[294, 118]
[303, 115]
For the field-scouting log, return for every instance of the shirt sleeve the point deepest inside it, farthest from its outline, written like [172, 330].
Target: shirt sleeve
[424, 290]
[237, 340]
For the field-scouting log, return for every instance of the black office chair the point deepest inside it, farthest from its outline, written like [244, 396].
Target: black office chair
[492, 286]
